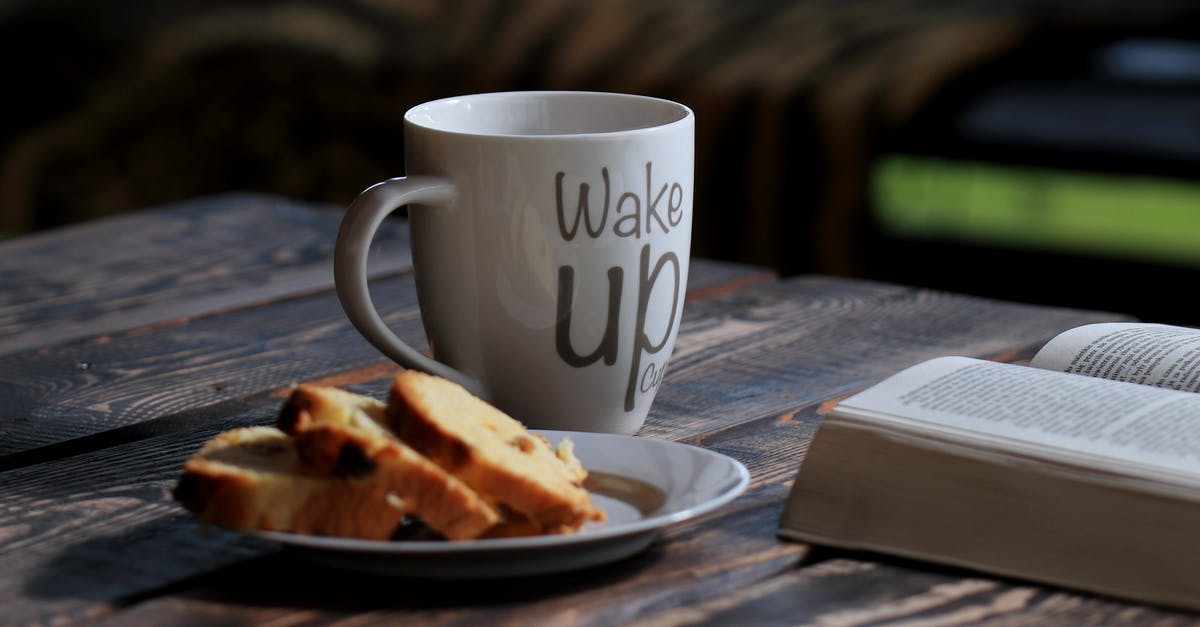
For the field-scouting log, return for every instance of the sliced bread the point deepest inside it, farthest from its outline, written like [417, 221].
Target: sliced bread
[340, 433]
[252, 478]
[491, 452]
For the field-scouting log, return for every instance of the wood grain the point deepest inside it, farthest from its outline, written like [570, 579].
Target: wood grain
[198, 258]
[789, 344]
[688, 565]
[842, 591]
[708, 278]
[753, 368]
[80, 389]
[82, 533]
[196, 318]
[63, 399]
[74, 526]
[187, 260]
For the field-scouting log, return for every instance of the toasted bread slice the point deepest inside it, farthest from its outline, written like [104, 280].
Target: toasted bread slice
[251, 478]
[340, 433]
[490, 452]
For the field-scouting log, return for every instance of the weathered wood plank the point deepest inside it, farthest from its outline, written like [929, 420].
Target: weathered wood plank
[83, 532]
[197, 258]
[186, 260]
[708, 278]
[77, 563]
[847, 592]
[79, 389]
[753, 367]
[789, 344]
[57, 528]
[688, 565]
[724, 569]
[58, 397]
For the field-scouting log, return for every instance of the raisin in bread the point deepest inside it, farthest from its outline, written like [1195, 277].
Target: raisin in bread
[492, 453]
[340, 433]
[252, 478]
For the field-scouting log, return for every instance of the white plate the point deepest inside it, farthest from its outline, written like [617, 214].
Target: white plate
[643, 483]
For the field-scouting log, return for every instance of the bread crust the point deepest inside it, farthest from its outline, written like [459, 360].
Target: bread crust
[490, 452]
[343, 464]
[341, 434]
[251, 478]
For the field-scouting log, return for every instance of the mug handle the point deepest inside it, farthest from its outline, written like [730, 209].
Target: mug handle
[358, 228]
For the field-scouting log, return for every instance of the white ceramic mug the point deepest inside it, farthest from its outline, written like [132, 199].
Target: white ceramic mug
[550, 236]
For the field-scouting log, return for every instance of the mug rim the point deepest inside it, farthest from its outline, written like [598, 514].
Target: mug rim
[682, 114]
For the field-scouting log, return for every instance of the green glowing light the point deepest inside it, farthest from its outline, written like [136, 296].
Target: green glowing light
[1136, 217]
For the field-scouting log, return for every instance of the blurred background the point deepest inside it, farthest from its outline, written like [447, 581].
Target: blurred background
[1044, 151]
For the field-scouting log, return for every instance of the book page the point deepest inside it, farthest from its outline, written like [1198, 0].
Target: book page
[1150, 354]
[1039, 409]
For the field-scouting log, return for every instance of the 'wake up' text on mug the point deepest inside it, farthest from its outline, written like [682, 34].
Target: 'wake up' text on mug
[634, 216]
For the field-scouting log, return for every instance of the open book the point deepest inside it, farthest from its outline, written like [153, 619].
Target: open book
[1082, 470]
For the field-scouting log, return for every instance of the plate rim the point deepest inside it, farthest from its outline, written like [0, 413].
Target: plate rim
[488, 545]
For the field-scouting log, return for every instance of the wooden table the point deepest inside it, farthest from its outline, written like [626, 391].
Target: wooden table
[126, 343]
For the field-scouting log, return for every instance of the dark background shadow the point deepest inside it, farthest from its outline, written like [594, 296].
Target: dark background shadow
[801, 106]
